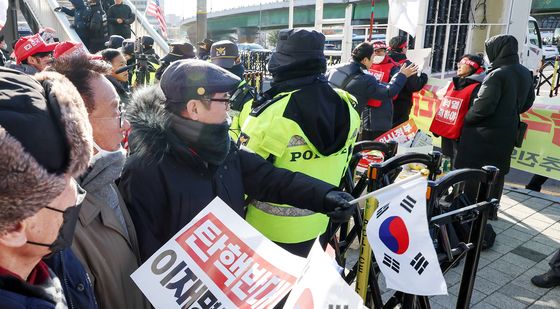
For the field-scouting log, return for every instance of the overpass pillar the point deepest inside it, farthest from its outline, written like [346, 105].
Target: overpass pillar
[201, 20]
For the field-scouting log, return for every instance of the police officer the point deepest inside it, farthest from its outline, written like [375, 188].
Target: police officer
[182, 158]
[226, 55]
[301, 124]
[178, 51]
[115, 41]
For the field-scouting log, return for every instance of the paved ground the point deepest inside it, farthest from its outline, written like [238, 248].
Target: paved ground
[528, 234]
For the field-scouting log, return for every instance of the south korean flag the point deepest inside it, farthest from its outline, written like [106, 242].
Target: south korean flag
[400, 240]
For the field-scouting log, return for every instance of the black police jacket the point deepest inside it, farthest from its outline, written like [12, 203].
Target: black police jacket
[165, 184]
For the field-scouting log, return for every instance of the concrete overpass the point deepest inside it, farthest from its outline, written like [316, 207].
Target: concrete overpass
[247, 21]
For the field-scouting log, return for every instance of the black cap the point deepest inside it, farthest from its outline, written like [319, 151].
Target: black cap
[206, 42]
[147, 40]
[25, 111]
[296, 47]
[179, 51]
[223, 53]
[128, 47]
[190, 79]
[115, 41]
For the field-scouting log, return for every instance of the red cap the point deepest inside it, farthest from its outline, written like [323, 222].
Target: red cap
[31, 45]
[379, 45]
[69, 48]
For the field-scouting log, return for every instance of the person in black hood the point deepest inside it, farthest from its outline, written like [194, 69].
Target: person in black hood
[301, 124]
[490, 125]
[403, 102]
[182, 158]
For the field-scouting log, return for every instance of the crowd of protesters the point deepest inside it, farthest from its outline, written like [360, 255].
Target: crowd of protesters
[118, 169]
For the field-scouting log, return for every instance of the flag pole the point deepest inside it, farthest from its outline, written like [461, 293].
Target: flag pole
[379, 191]
[371, 20]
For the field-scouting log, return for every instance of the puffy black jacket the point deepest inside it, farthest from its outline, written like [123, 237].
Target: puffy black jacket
[123, 12]
[364, 86]
[80, 12]
[403, 103]
[490, 126]
[165, 185]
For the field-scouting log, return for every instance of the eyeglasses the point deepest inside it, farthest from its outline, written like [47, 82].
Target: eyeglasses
[43, 55]
[225, 100]
[121, 117]
[81, 195]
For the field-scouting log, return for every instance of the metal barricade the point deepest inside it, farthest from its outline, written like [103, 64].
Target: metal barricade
[549, 79]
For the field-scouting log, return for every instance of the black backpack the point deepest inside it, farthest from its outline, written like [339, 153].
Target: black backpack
[95, 22]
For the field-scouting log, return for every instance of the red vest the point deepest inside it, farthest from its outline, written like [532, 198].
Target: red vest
[381, 72]
[451, 112]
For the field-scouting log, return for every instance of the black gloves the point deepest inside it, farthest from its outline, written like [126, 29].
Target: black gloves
[58, 9]
[337, 206]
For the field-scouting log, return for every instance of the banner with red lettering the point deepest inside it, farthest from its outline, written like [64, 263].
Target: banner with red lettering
[218, 261]
[540, 153]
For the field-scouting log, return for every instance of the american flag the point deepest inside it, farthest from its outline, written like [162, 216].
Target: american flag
[155, 10]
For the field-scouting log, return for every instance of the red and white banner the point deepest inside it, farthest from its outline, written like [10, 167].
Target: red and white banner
[321, 286]
[218, 261]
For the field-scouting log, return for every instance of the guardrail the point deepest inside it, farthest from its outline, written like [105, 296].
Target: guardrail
[142, 27]
[50, 18]
[549, 79]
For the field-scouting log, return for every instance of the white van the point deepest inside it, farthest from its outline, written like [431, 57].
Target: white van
[532, 54]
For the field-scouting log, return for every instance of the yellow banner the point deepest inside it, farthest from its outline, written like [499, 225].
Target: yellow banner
[540, 153]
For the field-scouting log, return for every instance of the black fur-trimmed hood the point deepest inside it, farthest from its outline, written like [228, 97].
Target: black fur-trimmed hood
[150, 136]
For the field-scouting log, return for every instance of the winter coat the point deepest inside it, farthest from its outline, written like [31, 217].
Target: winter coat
[364, 87]
[76, 283]
[490, 126]
[109, 252]
[24, 68]
[123, 12]
[16, 294]
[80, 12]
[403, 103]
[97, 38]
[165, 184]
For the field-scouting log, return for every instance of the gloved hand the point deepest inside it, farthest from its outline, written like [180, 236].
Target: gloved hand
[58, 9]
[337, 206]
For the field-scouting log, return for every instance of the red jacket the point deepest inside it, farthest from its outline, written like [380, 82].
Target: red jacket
[381, 72]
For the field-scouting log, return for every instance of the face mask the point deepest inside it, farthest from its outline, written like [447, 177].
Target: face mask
[105, 153]
[486, 59]
[210, 141]
[66, 231]
[377, 59]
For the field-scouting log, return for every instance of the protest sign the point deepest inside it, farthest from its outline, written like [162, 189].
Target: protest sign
[540, 153]
[218, 261]
[321, 286]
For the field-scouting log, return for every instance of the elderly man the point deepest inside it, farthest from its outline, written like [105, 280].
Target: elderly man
[33, 54]
[39, 200]
[105, 239]
[182, 158]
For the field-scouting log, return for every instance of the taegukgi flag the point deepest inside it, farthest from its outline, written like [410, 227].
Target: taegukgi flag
[400, 240]
[404, 14]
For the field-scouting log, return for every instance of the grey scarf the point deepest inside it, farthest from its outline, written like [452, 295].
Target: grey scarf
[104, 170]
